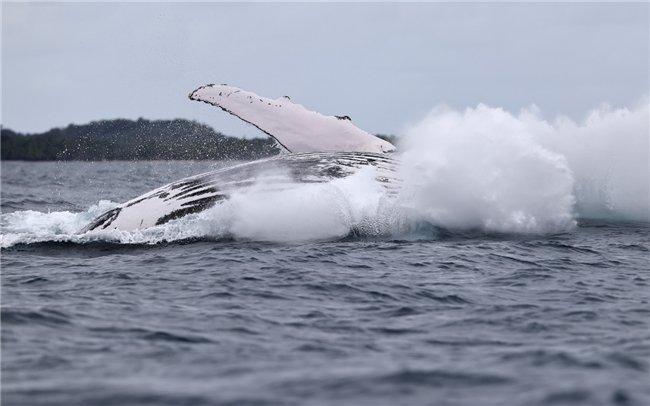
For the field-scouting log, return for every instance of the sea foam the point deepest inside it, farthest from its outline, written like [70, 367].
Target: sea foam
[481, 168]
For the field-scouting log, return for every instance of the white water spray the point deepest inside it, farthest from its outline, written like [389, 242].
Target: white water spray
[478, 169]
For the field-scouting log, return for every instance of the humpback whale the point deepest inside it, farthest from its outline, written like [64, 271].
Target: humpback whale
[317, 148]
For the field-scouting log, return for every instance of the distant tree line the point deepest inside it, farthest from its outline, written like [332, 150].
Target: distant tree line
[141, 139]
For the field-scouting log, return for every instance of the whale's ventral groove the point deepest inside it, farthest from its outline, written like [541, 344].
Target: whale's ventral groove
[200, 192]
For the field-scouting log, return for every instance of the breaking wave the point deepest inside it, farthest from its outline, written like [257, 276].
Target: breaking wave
[482, 168]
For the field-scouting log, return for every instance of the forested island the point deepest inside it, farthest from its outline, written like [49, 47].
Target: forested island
[141, 139]
[122, 139]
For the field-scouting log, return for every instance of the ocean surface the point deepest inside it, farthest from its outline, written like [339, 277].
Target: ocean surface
[433, 316]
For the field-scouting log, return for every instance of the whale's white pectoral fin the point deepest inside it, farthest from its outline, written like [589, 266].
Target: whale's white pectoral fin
[293, 126]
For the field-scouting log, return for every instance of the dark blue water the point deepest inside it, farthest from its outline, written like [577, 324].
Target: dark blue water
[446, 318]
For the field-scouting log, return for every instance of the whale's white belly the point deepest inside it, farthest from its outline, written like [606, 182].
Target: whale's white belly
[197, 193]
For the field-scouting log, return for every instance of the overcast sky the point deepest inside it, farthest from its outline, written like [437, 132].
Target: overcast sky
[385, 65]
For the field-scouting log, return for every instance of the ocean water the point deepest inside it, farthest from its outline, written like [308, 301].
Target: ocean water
[512, 268]
[436, 317]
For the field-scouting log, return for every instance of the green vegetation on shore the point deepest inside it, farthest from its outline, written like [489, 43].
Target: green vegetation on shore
[141, 139]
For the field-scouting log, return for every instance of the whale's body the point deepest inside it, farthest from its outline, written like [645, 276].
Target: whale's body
[321, 148]
[199, 192]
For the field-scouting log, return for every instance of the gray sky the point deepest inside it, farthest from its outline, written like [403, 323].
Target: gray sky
[385, 65]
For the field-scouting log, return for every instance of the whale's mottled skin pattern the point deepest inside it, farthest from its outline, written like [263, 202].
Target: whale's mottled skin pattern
[199, 192]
